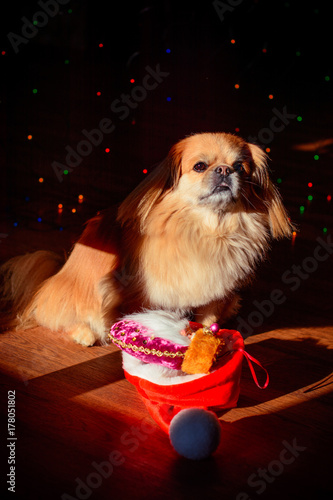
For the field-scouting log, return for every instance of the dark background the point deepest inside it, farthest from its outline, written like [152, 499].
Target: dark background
[281, 48]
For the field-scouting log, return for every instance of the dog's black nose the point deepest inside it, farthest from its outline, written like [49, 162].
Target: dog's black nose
[224, 170]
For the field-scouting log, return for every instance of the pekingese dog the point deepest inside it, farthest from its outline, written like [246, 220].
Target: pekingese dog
[186, 239]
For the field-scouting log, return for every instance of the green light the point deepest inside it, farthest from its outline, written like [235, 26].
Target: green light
[316, 157]
[65, 172]
[299, 118]
[34, 91]
[310, 197]
[298, 53]
[35, 23]
[70, 11]
[327, 78]
[279, 180]
[66, 61]
[324, 229]
[301, 209]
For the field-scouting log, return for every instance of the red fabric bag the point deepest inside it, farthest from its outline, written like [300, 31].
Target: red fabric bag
[215, 391]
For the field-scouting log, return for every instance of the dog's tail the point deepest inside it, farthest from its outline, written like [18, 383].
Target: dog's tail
[20, 278]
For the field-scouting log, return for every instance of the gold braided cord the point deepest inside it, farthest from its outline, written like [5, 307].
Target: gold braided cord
[145, 350]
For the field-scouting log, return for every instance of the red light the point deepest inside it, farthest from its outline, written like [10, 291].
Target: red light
[264, 51]
[98, 93]
[100, 45]
[310, 184]
[293, 238]
[329, 197]
[145, 171]
[233, 41]
[132, 80]
[3, 52]
[107, 150]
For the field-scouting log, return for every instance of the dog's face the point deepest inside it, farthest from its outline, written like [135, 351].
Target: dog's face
[217, 170]
[220, 172]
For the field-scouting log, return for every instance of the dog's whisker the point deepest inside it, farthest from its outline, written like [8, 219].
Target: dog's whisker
[246, 198]
[251, 182]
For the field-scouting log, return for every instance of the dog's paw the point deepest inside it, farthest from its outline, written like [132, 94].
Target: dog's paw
[83, 335]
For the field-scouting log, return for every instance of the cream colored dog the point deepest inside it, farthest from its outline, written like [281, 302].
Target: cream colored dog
[185, 239]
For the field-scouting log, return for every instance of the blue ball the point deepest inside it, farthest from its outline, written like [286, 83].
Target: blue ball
[195, 433]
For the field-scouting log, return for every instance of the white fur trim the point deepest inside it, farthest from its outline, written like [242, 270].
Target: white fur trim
[168, 326]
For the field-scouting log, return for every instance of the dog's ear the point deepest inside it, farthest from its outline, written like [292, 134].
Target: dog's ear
[163, 179]
[267, 193]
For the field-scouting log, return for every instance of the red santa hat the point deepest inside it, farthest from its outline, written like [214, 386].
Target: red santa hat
[153, 349]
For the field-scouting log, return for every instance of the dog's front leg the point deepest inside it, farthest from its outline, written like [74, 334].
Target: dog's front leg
[217, 311]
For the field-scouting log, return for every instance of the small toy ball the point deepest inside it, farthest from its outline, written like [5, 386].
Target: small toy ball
[195, 433]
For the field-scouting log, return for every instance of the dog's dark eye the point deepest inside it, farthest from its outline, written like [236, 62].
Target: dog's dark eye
[200, 166]
[238, 166]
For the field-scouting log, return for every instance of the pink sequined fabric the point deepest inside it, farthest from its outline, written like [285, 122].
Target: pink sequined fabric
[139, 341]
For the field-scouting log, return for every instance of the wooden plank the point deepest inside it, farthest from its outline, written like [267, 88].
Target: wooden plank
[74, 408]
